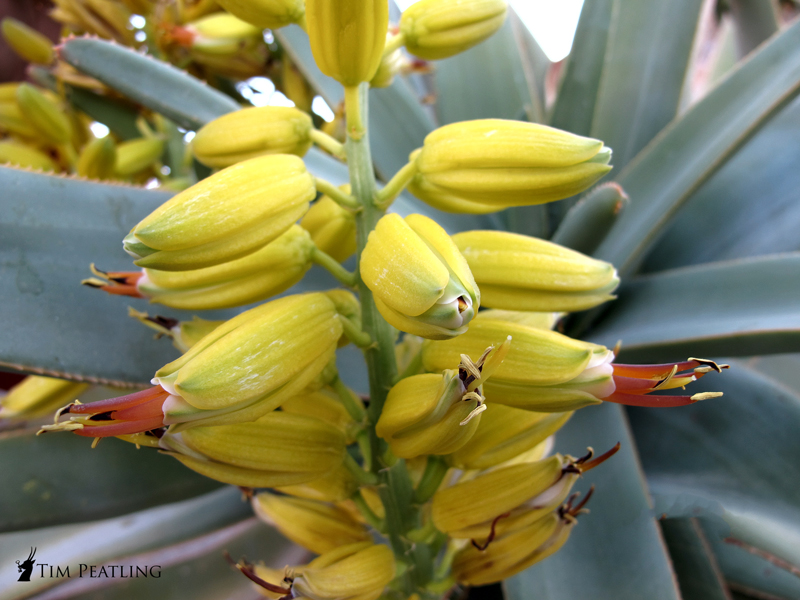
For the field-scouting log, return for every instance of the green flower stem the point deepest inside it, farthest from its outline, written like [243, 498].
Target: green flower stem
[333, 267]
[370, 516]
[432, 478]
[359, 337]
[352, 404]
[395, 42]
[356, 119]
[326, 142]
[363, 477]
[342, 198]
[396, 185]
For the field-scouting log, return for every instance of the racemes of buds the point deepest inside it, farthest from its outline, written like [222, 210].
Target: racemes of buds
[252, 132]
[238, 372]
[421, 283]
[438, 414]
[487, 165]
[546, 371]
[358, 571]
[225, 216]
[523, 273]
[348, 37]
[278, 449]
[266, 272]
[435, 29]
[317, 526]
[266, 14]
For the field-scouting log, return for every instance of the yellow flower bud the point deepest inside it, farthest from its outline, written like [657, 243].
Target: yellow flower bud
[391, 64]
[332, 228]
[519, 272]
[252, 132]
[325, 405]
[13, 121]
[317, 526]
[98, 159]
[137, 155]
[434, 29]
[27, 42]
[267, 14]
[421, 283]
[479, 501]
[16, 153]
[278, 449]
[348, 37]
[488, 165]
[538, 320]
[503, 433]
[225, 216]
[37, 396]
[335, 486]
[47, 118]
[511, 553]
[266, 272]
[544, 371]
[354, 572]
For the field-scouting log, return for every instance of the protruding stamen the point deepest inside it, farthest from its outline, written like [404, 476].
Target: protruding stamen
[492, 533]
[248, 571]
[591, 464]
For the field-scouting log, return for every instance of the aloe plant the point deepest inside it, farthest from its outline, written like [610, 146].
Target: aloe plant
[701, 501]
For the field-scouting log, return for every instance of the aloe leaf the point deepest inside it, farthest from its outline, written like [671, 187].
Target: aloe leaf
[492, 80]
[155, 84]
[695, 566]
[295, 42]
[40, 487]
[756, 191]
[734, 308]
[615, 552]
[589, 221]
[645, 66]
[100, 541]
[695, 146]
[755, 20]
[195, 569]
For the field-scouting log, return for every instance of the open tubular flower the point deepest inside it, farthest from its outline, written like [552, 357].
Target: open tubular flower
[546, 371]
[332, 228]
[266, 272]
[252, 132]
[487, 165]
[240, 371]
[317, 526]
[437, 414]
[348, 37]
[266, 14]
[519, 272]
[421, 283]
[225, 216]
[37, 396]
[358, 571]
[434, 29]
[277, 449]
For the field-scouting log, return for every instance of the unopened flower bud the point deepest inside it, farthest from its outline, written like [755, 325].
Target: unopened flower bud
[278, 449]
[98, 159]
[22, 155]
[251, 132]
[137, 155]
[358, 571]
[266, 14]
[13, 121]
[332, 228]
[434, 29]
[336, 485]
[222, 27]
[391, 64]
[421, 283]
[266, 272]
[487, 165]
[225, 216]
[27, 42]
[519, 272]
[503, 433]
[37, 396]
[44, 114]
[348, 37]
[325, 405]
[317, 526]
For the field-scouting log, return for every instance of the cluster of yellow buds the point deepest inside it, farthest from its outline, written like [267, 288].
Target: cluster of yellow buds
[449, 458]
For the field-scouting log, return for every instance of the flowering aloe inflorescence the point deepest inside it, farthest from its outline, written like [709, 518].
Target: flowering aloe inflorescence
[449, 460]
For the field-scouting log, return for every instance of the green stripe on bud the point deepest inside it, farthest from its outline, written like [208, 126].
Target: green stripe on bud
[252, 132]
[434, 29]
